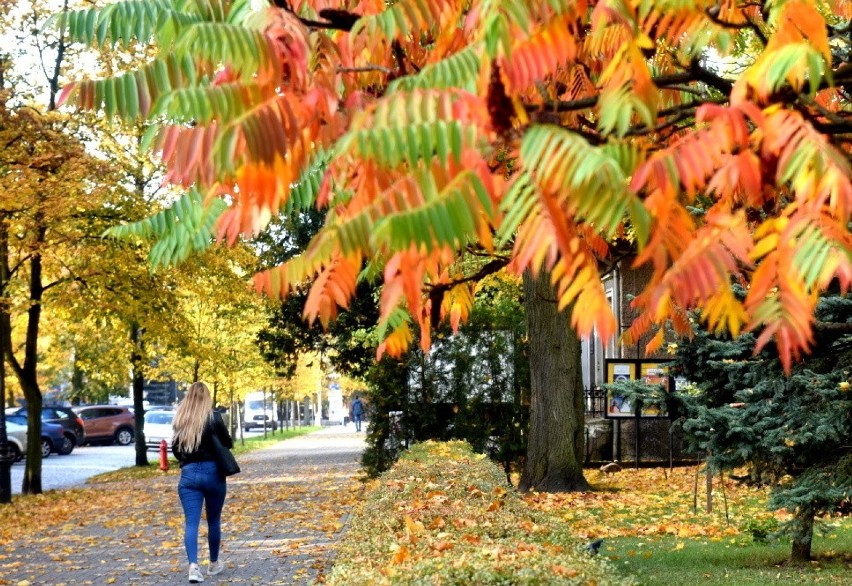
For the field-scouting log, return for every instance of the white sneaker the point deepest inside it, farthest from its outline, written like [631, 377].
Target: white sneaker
[195, 575]
[214, 568]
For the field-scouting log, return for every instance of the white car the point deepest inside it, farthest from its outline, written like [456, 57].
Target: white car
[158, 427]
[17, 435]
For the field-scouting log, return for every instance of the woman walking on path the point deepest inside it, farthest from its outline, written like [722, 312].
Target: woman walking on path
[200, 483]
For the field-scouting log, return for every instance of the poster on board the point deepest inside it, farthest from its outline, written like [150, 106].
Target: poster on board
[655, 373]
[619, 371]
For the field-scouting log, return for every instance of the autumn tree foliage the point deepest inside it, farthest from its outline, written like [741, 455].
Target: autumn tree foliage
[545, 129]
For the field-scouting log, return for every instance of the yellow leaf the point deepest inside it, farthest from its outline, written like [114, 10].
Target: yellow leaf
[411, 526]
[679, 546]
[643, 41]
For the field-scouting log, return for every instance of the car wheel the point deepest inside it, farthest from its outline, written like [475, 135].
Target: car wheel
[17, 455]
[67, 446]
[46, 447]
[124, 437]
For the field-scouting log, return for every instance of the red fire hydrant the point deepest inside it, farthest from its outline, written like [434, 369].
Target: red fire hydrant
[164, 455]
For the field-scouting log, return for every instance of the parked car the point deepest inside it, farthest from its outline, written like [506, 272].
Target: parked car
[64, 416]
[108, 424]
[17, 436]
[53, 438]
[158, 427]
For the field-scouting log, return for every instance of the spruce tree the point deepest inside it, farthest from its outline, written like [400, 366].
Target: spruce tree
[794, 431]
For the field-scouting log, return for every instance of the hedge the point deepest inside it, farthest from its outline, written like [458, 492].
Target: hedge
[444, 515]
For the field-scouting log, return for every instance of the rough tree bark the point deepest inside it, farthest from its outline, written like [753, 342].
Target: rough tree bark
[138, 394]
[803, 531]
[554, 460]
[27, 372]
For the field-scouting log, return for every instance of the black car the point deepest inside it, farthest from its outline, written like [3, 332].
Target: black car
[65, 417]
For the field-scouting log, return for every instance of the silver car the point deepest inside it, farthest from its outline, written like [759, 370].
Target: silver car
[17, 435]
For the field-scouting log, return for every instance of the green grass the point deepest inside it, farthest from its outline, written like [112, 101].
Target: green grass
[253, 443]
[240, 447]
[730, 561]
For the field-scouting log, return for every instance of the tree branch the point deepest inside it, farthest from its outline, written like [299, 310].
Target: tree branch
[436, 294]
[365, 69]
[713, 14]
[696, 73]
[824, 326]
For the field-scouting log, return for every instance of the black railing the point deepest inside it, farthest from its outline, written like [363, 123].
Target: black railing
[595, 402]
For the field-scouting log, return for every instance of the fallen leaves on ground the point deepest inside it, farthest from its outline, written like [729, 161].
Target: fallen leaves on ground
[444, 515]
[656, 501]
[291, 515]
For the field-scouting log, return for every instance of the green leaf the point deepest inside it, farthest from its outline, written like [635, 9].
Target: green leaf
[185, 228]
[456, 208]
[459, 70]
[584, 176]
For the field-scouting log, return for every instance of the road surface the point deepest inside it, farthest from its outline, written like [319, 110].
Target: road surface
[83, 463]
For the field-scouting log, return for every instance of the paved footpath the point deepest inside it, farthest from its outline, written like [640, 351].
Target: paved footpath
[283, 513]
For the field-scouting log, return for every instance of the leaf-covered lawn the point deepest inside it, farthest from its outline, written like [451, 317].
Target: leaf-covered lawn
[652, 531]
[656, 501]
[444, 516]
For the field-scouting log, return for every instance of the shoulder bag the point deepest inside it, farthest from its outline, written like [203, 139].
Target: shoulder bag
[225, 461]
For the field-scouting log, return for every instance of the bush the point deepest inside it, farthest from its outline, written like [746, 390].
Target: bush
[444, 515]
[762, 527]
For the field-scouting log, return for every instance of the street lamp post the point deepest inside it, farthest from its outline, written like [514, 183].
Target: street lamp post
[318, 412]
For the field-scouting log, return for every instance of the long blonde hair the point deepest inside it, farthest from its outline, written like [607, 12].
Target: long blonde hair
[191, 417]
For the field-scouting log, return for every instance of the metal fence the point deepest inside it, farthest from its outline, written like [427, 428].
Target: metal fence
[595, 402]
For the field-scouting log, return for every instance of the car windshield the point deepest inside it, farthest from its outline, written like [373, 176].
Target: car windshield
[163, 418]
[256, 405]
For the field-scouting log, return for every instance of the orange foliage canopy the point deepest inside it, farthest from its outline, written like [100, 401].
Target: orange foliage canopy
[553, 128]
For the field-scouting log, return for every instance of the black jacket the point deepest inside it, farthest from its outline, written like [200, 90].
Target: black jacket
[204, 451]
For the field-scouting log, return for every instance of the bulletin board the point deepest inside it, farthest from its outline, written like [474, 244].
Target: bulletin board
[650, 371]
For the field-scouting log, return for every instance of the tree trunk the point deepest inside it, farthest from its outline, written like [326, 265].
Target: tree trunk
[27, 373]
[138, 395]
[5, 339]
[803, 532]
[76, 380]
[32, 469]
[554, 460]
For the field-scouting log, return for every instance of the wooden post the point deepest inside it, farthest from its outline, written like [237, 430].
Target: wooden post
[709, 482]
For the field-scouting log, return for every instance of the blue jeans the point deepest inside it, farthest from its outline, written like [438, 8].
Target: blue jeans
[200, 482]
